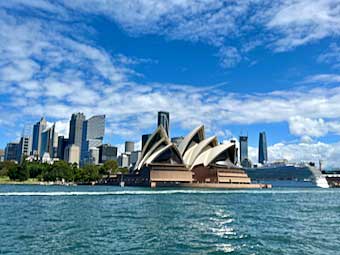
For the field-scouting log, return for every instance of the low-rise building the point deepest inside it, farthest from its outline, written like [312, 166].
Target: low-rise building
[11, 151]
[124, 160]
[72, 154]
[107, 152]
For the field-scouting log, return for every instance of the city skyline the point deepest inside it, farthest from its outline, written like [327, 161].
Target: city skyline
[88, 137]
[274, 67]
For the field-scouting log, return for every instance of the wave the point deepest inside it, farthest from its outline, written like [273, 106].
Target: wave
[160, 192]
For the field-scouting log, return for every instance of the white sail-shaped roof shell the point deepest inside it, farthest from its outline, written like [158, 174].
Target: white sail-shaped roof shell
[159, 152]
[192, 153]
[210, 155]
[153, 145]
[184, 145]
[154, 149]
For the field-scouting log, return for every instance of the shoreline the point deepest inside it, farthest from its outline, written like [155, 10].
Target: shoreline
[7, 181]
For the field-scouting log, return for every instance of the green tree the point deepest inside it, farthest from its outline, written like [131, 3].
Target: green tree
[19, 173]
[109, 167]
[91, 173]
[35, 168]
[6, 166]
[58, 171]
[123, 170]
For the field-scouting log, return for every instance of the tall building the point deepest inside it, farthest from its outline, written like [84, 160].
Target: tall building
[92, 134]
[24, 148]
[107, 152]
[62, 144]
[72, 153]
[145, 138]
[11, 151]
[244, 151]
[38, 128]
[49, 142]
[263, 155]
[134, 157]
[164, 120]
[76, 128]
[129, 147]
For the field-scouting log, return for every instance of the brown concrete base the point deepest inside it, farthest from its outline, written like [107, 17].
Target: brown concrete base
[217, 185]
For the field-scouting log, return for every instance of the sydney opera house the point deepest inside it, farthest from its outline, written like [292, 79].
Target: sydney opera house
[196, 162]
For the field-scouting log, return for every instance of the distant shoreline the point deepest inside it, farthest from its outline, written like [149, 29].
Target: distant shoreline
[32, 181]
[6, 180]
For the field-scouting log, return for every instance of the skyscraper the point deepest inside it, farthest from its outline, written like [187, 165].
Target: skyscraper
[164, 120]
[263, 156]
[25, 143]
[243, 150]
[145, 138]
[49, 142]
[24, 147]
[129, 147]
[76, 128]
[62, 144]
[92, 134]
[38, 128]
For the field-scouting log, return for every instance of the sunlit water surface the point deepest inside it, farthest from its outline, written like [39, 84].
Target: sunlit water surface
[114, 220]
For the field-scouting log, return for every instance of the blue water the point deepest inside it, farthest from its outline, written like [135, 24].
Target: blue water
[114, 220]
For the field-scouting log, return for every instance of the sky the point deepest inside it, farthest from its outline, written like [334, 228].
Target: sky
[238, 67]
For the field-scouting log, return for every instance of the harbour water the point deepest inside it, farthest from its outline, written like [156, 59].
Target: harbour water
[115, 220]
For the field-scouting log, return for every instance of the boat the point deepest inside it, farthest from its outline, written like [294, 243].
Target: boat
[288, 175]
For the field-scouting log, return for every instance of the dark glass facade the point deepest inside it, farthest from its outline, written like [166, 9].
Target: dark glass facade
[164, 120]
[145, 138]
[38, 128]
[263, 155]
[107, 152]
[62, 144]
[11, 151]
[76, 128]
[243, 149]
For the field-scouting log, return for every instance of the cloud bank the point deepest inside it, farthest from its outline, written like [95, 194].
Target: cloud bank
[48, 67]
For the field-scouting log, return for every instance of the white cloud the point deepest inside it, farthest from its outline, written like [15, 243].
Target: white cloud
[229, 56]
[331, 55]
[306, 139]
[77, 76]
[302, 126]
[282, 25]
[323, 78]
[62, 127]
[304, 21]
[44, 72]
[329, 154]
[224, 24]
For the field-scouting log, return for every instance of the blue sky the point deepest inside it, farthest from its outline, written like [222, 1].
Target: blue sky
[235, 66]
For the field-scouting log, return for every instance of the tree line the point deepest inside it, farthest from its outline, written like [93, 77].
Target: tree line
[58, 171]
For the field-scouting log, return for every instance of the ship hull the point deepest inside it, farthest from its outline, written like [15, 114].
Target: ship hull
[289, 183]
[288, 176]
